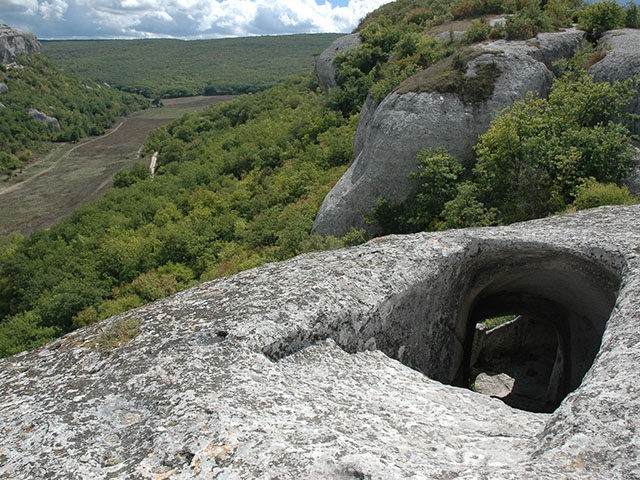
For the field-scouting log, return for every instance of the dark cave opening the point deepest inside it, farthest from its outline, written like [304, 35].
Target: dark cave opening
[561, 304]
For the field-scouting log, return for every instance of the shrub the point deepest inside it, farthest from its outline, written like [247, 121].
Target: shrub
[600, 17]
[592, 194]
[478, 31]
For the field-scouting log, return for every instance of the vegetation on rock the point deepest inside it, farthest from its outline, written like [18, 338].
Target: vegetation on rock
[536, 158]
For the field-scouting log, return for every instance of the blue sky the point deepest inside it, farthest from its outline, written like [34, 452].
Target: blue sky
[182, 18]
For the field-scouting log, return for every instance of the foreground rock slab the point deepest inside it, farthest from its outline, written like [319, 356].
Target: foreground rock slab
[340, 365]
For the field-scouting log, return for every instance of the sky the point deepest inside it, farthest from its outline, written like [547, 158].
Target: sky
[189, 19]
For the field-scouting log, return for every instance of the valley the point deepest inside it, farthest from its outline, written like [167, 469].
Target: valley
[75, 174]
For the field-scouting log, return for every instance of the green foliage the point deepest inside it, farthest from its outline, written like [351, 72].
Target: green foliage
[437, 174]
[590, 194]
[632, 16]
[127, 177]
[477, 32]
[82, 108]
[527, 23]
[533, 157]
[176, 68]
[597, 18]
[217, 205]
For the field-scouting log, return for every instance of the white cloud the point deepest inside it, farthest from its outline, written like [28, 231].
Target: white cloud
[53, 10]
[183, 18]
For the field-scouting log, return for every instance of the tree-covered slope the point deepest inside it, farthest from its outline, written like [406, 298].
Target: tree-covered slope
[81, 107]
[173, 68]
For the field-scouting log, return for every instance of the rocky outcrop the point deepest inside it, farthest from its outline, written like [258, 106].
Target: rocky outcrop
[326, 69]
[407, 122]
[14, 43]
[45, 119]
[345, 364]
[621, 62]
[3, 88]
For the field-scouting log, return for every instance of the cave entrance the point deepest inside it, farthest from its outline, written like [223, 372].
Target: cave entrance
[557, 307]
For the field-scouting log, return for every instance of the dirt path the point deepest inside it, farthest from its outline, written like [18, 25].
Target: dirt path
[74, 175]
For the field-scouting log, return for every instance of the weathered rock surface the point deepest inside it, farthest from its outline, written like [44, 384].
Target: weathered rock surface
[3, 88]
[45, 119]
[406, 123]
[633, 179]
[301, 369]
[621, 62]
[14, 43]
[326, 69]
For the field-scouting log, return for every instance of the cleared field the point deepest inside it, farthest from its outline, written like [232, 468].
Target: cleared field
[71, 175]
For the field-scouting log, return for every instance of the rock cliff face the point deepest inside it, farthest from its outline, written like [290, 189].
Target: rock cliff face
[14, 43]
[343, 364]
[405, 123]
[45, 119]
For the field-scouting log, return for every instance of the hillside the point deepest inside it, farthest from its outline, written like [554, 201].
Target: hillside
[43, 103]
[172, 68]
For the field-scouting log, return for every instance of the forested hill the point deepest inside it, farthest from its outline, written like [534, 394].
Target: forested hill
[174, 68]
[70, 107]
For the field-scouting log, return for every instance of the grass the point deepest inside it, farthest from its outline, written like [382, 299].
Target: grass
[118, 334]
[448, 76]
[494, 322]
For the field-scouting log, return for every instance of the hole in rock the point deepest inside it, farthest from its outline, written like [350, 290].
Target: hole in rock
[531, 326]
[555, 307]
[554, 304]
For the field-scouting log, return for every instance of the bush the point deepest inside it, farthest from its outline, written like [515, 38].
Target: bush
[600, 17]
[478, 31]
[526, 24]
[592, 194]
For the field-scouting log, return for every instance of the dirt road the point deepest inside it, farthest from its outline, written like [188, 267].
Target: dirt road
[72, 175]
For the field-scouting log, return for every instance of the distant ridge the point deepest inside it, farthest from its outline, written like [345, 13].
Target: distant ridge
[175, 68]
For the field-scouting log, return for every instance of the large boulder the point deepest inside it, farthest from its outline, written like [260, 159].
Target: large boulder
[407, 122]
[326, 69]
[14, 43]
[347, 364]
[3, 88]
[621, 62]
[45, 119]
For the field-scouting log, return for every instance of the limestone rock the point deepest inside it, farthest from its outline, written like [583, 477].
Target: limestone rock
[633, 179]
[495, 385]
[14, 43]
[621, 62]
[338, 365]
[406, 123]
[326, 69]
[45, 119]
[3, 88]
